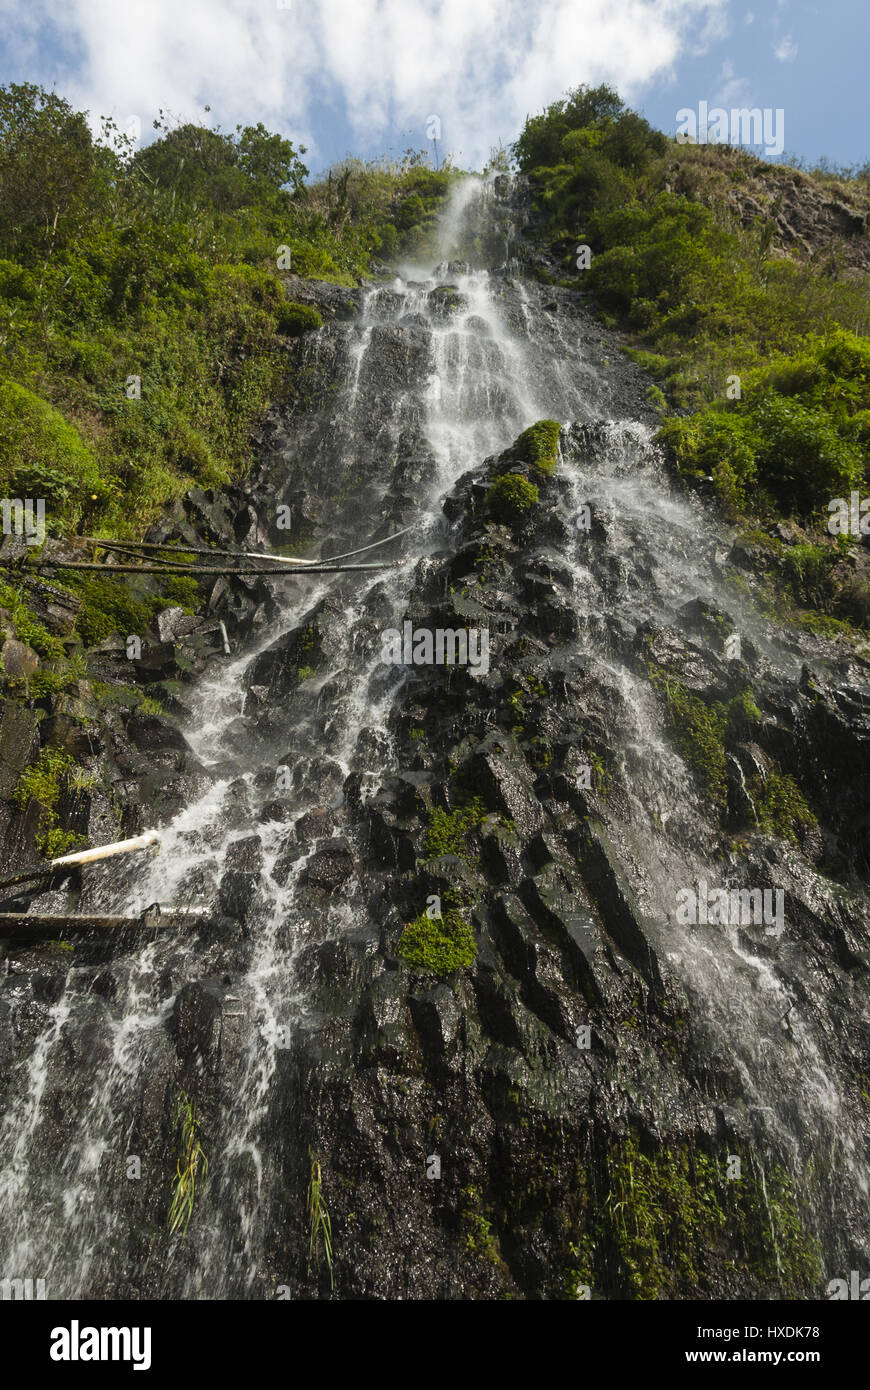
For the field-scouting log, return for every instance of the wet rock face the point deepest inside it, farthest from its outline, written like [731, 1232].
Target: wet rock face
[583, 1040]
[484, 1117]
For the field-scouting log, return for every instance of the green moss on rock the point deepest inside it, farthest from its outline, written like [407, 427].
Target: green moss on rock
[296, 319]
[539, 446]
[668, 1214]
[447, 831]
[511, 498]
[28, 628]
[41, 782]
[438, 944]
[781, 806]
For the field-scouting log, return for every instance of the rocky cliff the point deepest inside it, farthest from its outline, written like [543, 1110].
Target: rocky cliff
[448, 996]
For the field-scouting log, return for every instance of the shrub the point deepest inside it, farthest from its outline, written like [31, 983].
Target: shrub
[802, 459]
[43, 456]
[411, 212]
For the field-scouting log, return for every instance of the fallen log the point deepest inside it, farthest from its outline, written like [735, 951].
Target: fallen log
[312, 567]
[83, 856]
[135, 547]
[30, 924]
[182, 549]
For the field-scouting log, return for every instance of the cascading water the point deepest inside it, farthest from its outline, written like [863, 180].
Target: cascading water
[442, 368]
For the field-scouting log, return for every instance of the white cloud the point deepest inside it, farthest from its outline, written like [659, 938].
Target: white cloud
[732, 90]
[786, 49]
[749, 17]
[481, 65]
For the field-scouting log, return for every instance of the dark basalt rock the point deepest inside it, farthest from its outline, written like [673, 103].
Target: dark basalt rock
[545, 805]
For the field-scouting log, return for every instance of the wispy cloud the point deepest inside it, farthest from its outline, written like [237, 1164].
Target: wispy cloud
[731, 89]
[785, 49]
[385, 65]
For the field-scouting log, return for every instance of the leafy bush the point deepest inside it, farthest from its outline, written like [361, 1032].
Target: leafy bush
[43, 456]
[411, 212]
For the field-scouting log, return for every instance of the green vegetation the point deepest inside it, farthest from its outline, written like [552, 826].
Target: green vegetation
[701, 728]
[665, 1212]
[192, 1165]
[793, 441]
[141, 305]
[780, 806]
[109, 607]
[109, 697]
[477, 1233]
[440, 944]
[448, 831]
[28, 628]
[768, 351]
[295, 319]
[510, 498]
[539, 446]
[702, 731]
[319, 1222]
[42, 783]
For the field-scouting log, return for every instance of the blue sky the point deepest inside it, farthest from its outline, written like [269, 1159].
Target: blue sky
[366, 76]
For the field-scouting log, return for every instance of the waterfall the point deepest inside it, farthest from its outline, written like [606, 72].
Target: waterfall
[428, 384]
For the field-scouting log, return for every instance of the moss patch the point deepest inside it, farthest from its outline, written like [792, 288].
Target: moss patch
[27, 626]
[511, 498]
[780, 806]
[539, 446]
[295, 319]
[667, 1213]
[439, 944]
[448, 831]
[700, 730]
[41, 782]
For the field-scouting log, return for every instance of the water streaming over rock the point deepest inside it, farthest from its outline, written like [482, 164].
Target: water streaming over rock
[294, 739]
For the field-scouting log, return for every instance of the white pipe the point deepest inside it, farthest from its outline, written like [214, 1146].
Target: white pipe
[87, 856]
[280, 559]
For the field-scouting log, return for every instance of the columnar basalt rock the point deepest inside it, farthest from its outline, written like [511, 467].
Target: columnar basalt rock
[443, 953]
